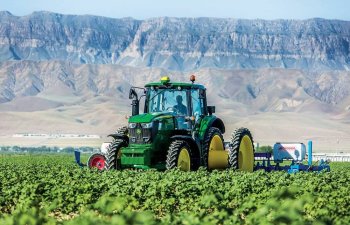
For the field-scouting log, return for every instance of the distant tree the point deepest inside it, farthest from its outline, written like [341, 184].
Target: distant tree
[267, 148]
[68, 150]
[16, 148]
[55, 149]
[86, 149]
[5, 148]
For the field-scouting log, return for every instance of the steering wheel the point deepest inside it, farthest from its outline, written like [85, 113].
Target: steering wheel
[171, 108]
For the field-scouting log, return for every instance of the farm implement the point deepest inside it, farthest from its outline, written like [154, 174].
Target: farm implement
[294, 152]
[178, 129]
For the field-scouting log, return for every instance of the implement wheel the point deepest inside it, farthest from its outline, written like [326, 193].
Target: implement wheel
[97, 160]
[214, 155]
[179, 155]
[241, 152]
[113, 154]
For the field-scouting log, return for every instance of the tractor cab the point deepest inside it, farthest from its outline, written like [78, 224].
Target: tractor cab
[185, 102]
[182, 102]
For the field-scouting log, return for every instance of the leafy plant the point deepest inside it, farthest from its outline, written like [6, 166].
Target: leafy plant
[51, 189]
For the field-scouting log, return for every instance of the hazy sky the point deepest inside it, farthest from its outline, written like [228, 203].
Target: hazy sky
[142, 9]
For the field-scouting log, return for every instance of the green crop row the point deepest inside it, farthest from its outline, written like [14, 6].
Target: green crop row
[44, 189]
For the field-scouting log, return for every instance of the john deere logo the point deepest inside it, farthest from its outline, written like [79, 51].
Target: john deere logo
[138, 131]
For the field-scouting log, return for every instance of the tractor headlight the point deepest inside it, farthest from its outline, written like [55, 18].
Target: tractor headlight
[146, 125]
[132, 125]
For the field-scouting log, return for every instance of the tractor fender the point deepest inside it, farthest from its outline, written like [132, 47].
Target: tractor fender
[119, 136]
[192, 143]
[218, 123]
[208, 122]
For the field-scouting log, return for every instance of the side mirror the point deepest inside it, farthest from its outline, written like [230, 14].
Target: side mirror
[201, 94]
[135, 109]
[211, 109]
[132, 94]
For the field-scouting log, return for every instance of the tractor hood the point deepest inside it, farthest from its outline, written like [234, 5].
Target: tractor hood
[148, 117]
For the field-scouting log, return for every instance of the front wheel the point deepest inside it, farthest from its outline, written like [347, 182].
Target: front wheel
[122, 130]
[114, 154]
[241, 152]
[179, 155]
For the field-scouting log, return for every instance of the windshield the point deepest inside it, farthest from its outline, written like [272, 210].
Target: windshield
[168, 100]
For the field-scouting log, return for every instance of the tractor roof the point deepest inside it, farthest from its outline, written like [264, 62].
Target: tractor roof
[165, 82]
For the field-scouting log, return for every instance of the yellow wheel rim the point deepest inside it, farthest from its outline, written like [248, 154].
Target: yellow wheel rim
[216, 144]
[184, 161]
[217, 156]
[246, 155]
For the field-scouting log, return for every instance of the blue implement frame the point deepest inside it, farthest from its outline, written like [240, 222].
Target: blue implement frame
[294, 167]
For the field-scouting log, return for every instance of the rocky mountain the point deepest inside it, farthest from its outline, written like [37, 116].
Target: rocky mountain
[274, 90]
[181, 44]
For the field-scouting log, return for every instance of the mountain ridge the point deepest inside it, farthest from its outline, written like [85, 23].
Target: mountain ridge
[180, 44]
[31, 78]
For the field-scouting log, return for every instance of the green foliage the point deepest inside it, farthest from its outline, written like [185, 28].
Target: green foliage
[43, 189]
[267, 148]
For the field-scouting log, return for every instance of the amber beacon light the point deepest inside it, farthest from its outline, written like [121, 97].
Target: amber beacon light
[193, 78]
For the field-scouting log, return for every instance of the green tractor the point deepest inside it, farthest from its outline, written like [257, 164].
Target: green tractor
[177, 129]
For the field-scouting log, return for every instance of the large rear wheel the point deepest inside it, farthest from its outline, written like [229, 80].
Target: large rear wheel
[241, 152]
[114, 154]
[179, 155]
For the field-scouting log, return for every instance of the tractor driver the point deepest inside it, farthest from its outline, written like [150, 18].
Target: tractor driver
[180, 108]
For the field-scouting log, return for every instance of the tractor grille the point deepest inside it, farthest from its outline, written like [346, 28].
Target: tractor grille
[139, 135]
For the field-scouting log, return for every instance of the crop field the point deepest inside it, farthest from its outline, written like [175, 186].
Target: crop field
[51, 189]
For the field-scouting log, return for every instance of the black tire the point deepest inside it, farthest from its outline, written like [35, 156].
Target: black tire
[212, 131]
[237, 136]
[122, 130]
[112, 161]
[173, 154]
